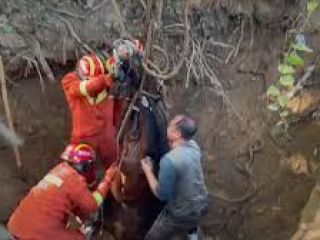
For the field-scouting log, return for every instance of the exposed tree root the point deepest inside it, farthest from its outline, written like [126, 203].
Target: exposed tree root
[65, 12]
[75, 35]
[8, 113]
[247, 170]
[185, 50]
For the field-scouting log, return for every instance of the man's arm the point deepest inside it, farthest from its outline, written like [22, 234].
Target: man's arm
[151, 178]
[163, 188]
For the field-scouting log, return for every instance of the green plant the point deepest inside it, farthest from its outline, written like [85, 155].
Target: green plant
[280, 93]
[6, 29]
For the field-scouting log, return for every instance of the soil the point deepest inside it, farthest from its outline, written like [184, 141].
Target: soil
[283, 169]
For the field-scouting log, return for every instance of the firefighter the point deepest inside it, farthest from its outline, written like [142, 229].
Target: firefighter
[44, 213]
[86, 91]
[95, 113]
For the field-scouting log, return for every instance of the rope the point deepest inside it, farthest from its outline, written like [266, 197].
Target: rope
[144, 76]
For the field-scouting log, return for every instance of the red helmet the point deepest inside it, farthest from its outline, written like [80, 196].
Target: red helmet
[79, 154]
[90, 66]
[82, 158]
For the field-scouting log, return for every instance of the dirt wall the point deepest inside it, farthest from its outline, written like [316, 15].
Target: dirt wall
[228, 128]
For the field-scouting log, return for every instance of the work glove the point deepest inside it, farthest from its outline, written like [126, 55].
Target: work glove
[109, 176]
[111, 173]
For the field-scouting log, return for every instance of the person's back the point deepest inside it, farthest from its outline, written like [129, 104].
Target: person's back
[189, 193]
[47, 206]
[44, 213]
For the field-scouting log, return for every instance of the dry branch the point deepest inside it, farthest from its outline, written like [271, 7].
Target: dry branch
[64, 50]
[31, 61]
[159, 13]
[143, 4]
[65, 12]
[302, 81]
[75, 35]
[98, 6]
[8, 112]
[45, 67]
[35, 45]
[240, 39]
[165, 55]
[121, 20]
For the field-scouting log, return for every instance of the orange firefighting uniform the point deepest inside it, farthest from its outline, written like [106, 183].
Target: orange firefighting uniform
[93, 114]
[43, 214]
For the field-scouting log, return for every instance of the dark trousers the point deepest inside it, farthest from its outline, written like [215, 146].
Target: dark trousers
[167, 226]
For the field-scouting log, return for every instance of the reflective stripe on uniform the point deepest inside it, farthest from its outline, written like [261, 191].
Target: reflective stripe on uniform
[98, 197]
[50, 178]
[91, 65]
[100, 64]
[100, 98]
[108, 66]
[83, 88]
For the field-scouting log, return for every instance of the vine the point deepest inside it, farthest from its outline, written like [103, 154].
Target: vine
[293, 62]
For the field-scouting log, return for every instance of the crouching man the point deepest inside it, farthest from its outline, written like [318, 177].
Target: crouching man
[44, 213]
[180, 183]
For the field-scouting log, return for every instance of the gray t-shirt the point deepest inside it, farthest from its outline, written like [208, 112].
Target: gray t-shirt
[181, 181]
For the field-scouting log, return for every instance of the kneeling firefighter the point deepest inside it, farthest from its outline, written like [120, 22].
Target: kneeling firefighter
[44, 213]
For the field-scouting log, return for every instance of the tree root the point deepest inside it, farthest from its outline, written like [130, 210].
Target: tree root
[98, 6]
[35, 45]
[31, 61]
[65, 12]
[143, 4]
[121, 20]
[75, 35]
[247, 170]
[43, 62]
[8, 113]
[177, 68]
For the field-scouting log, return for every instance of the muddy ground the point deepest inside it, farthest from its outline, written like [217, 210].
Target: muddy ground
[282, 167]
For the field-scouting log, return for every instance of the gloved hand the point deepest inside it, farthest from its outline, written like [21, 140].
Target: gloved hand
[111, 173]
[93, 85]
[109, 176]
[108, 80]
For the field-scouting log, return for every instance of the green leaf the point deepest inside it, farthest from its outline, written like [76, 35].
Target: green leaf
[273, 91]
[286, 69]
[273, 107]
[301, 47]
[284, 114]
[294, 59]
[7, 29]
[312, 5]
[286, 80]
[282, 100]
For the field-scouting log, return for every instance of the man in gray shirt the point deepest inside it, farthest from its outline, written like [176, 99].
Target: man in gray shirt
[180, 183]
